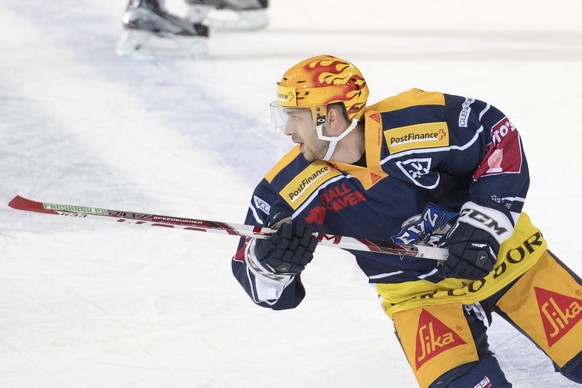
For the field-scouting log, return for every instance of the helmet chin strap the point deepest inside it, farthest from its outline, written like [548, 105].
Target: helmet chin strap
[333, 140]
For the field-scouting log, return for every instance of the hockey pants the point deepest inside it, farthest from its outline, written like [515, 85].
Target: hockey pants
[446, 344]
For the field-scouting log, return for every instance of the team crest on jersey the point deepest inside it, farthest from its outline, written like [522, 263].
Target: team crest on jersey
[434, 220]
[418, 171]
[504, 154]
[559, 313]
[433, 338]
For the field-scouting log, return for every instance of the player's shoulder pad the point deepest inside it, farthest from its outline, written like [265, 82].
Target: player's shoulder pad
[285, 161]
[410, 98]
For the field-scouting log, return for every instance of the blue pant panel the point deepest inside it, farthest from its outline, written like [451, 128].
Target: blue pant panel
[485, 373]
[573, 369]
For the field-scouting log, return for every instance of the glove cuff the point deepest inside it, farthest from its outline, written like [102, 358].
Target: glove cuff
[254, 265]
[493, 221]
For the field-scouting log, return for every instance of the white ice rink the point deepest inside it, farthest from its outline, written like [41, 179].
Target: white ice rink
[92, 304]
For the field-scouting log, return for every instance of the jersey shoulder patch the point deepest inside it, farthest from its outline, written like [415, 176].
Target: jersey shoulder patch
[296, 179]
[307, 181]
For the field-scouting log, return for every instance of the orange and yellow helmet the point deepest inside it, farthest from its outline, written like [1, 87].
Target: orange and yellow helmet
[319, 81]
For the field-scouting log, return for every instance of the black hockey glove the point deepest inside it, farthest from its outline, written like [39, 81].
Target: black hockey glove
[289, 250]
[472, 252]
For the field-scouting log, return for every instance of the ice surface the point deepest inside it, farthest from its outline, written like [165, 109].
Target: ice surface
[93, 304]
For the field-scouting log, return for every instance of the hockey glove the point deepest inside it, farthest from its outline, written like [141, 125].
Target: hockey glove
[472, 252]
[289, 250]
[474, 241]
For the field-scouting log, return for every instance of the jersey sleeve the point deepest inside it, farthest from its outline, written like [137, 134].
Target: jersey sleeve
[278, 294]
[486, 146]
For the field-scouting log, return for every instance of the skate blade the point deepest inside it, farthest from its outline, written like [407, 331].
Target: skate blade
[143, 44]
[228, 20]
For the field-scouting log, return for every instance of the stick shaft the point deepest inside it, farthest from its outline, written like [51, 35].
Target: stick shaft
[345, 242]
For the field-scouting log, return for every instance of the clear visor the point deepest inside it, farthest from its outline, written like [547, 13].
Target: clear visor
[279, 117]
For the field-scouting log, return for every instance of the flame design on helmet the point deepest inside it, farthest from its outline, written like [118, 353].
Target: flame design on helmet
[319, 81]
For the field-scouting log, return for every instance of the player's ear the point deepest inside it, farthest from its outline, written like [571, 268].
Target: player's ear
[335, 120]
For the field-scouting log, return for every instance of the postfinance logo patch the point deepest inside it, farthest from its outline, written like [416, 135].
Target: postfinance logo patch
[306, 182]
[559, 313]
[433, 338]
[427, 135]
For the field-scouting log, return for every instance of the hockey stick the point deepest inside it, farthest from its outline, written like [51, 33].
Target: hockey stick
[344, 242]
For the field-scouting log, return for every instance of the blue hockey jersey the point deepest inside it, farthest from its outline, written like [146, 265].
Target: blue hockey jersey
[426, 154]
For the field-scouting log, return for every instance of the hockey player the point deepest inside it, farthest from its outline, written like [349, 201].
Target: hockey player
[147, 20]
[416, 168]
[150, 30]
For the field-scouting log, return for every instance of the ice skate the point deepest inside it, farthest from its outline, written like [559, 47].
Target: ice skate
[150, 31]
[229, 15]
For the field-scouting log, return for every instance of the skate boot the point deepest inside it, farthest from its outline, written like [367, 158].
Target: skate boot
[150, 31]
[231, 15]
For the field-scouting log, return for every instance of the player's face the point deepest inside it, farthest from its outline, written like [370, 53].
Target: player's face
[302, 129]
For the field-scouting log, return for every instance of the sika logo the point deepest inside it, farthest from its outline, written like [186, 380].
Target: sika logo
[433, 338]
[559, 313]
[375, 177]
[375, 116]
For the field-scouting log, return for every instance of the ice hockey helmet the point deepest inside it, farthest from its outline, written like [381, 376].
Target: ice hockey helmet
[316, 82]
